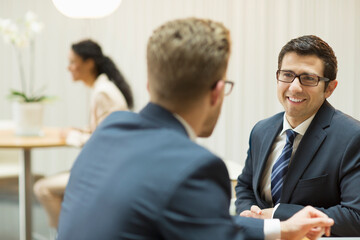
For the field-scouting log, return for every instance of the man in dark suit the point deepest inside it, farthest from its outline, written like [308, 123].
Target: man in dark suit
[309, 154]
[140, 176]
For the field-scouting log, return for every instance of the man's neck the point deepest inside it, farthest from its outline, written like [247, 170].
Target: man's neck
[295, 122]
[194, 114]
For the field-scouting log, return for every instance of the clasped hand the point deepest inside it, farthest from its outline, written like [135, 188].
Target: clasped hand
[308, 222]
[256, 212]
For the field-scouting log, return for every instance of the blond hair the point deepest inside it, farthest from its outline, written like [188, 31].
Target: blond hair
[186, 57]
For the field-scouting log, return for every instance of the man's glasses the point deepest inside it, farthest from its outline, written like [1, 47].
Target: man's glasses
[227, 88]
[311, 80]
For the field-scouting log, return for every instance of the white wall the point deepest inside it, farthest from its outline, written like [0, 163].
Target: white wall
[259, 29]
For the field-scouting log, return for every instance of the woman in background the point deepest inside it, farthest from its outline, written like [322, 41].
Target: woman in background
[110, 92]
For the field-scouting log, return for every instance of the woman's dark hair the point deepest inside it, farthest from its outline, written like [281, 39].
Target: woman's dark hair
[88, 49]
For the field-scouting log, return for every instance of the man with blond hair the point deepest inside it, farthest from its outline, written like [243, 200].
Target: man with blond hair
[142, 176]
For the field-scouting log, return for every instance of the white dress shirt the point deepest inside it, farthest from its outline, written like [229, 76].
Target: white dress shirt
[189, 130]
[276, 150]
[272, 230]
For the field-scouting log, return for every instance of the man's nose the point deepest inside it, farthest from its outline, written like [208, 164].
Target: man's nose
[295, 85]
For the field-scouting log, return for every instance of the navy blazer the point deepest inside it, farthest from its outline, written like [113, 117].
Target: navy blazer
[324, 172]
[140, 177]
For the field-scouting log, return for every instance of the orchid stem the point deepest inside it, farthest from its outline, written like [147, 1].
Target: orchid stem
[21, 71]
[32, 59]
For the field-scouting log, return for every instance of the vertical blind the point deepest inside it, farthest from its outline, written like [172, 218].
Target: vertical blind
[259, 28]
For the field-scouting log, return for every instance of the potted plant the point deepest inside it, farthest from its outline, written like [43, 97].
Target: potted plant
[27, 103]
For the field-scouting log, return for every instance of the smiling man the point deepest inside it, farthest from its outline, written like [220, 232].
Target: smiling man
[309, 154]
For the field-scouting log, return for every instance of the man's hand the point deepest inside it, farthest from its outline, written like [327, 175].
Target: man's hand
[308, 222]
[256, 212]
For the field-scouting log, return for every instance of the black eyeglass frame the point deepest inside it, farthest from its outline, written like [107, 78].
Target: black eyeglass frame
[299, 77]
[226, 82]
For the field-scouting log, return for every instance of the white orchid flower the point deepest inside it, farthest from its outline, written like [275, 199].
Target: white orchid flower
[20, 34]
[30, 16]
[36, 27]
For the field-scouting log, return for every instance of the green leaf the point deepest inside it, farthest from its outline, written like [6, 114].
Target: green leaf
[20, 96]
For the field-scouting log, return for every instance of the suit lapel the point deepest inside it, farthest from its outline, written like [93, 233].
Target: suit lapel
[309, 145]
[269, 136]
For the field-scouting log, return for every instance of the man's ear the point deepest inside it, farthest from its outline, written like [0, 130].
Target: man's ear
[330, 88]
[217, 93]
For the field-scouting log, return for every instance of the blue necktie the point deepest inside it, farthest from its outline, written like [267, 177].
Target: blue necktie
[281, 166]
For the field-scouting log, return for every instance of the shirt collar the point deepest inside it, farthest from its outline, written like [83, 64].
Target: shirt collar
[100, 80]
[188, 128]
[300, 129]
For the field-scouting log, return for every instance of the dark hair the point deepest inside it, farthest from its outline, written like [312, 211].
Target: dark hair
[88, 49]
[312, 45]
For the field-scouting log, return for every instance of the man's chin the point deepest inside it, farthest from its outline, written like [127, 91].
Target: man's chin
[205, 134]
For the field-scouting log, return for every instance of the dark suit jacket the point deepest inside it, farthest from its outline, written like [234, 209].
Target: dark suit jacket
[140, 177]
[324, 172]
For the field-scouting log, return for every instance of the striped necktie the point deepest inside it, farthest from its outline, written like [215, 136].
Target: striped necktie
[281, 166]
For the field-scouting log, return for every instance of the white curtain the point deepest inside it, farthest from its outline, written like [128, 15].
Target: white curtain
[259, 29]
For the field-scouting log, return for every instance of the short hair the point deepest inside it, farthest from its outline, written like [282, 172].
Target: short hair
[312, 45]
[186, 57]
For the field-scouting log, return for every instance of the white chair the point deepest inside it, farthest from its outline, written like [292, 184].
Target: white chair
[234, 169]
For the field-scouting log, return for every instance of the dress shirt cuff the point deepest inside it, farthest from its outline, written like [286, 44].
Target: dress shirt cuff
[272, 229]
[273, 213]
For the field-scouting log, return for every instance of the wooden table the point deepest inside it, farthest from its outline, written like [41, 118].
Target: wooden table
[51, 138]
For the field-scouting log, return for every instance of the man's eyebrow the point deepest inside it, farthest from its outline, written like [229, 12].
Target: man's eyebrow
[307, 73]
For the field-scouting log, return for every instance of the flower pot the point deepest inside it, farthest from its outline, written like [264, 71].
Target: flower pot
[28, 118]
